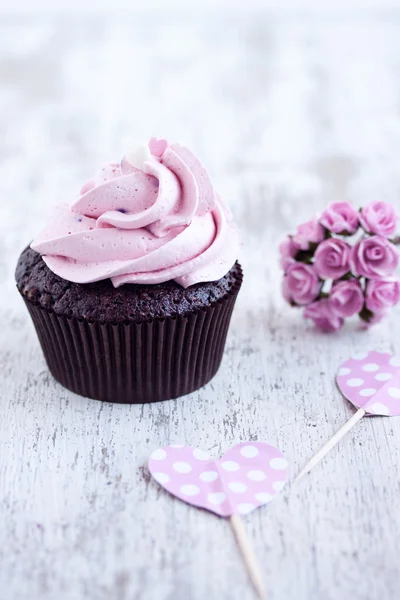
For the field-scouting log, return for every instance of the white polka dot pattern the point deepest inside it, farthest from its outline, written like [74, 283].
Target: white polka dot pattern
[378, 409]
[190, 490]
[248, 476]
[372, 381]
[383, 376]
[182, 467]
[370, 367]
[263, 497]
[237, 487]
[367, 392]
[159, 454]
[256, 475]
[344, 371]
[200, 455]
[279, 464]
[161, 477]
[249, 451]
[355, 382]
[230, 465]
[216, 498]
[209, 476]
[278, 485]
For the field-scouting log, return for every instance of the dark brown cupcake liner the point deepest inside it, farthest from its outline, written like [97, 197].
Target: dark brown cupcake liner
[135, 362]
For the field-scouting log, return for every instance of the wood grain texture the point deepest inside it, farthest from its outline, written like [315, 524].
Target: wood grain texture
[289, 114]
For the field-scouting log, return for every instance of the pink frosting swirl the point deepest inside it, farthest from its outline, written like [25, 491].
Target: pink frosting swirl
[150, 219]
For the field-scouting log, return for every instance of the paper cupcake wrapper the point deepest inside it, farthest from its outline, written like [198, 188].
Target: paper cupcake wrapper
[135, 362]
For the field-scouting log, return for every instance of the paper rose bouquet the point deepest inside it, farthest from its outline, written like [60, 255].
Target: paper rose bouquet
[343, 263]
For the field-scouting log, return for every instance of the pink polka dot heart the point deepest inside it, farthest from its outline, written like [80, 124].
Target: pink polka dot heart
[371, 380]
[246, 477]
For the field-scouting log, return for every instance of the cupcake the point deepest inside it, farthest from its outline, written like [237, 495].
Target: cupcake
[131, 287]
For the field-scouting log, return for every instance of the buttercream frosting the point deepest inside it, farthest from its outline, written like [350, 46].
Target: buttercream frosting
[153, 217]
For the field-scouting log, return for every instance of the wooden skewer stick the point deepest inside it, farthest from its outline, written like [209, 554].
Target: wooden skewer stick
[329, 445]
[249, 557]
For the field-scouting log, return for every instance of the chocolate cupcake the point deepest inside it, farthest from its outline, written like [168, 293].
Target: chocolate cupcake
[131, 288]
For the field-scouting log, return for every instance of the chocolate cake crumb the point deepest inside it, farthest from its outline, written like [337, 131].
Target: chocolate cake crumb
[102, 302]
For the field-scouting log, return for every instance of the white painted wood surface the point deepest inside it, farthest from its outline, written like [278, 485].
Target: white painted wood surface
[288, 113]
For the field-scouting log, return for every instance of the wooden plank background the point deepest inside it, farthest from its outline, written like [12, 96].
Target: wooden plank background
[289, 112]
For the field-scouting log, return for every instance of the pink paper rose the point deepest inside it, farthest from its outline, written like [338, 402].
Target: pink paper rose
[308, 233]
[332, 259]
[346, 298]
[374, 257]
[300, 284]
[287, 251]
[340, 217]
[322, 314]
[382, 294]
[379, 217]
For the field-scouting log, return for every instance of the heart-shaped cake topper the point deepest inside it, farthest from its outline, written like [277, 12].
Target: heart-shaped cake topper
[371, 381]
[157, 147]
[246, 477]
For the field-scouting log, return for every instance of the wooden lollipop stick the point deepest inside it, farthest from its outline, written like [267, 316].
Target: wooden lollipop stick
[329, 445]
[249, 557]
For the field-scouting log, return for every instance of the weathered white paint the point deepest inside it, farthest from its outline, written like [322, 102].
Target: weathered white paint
[288, 113]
